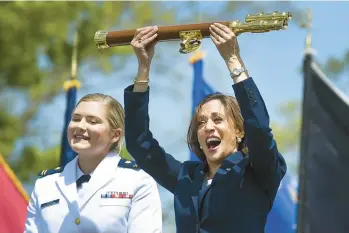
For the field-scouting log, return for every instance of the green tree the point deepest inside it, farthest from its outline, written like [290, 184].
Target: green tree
[287, 131]
[37, 49]
[36, 46]
[336, 66]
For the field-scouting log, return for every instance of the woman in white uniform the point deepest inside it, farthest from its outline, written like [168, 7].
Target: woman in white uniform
[97, 191]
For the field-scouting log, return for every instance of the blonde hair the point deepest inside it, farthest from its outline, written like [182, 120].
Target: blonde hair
[115, 115]
[232, 109]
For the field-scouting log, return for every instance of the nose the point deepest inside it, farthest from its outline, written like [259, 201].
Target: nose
[82, 124]
[209, 126]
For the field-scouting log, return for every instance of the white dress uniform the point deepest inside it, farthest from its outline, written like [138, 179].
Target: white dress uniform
[118, 198]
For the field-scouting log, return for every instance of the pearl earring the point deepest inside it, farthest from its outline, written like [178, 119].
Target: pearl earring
[238, 140]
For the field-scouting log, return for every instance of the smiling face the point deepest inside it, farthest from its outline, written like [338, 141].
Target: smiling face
[216, 131]
[216, 127]
[89, 132]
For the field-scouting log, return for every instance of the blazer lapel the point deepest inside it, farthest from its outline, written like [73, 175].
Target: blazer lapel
[103, 175]
[67, 186]
[237, 163]
[197, 186]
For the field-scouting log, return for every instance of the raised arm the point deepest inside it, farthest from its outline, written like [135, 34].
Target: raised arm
[266, 161]
[139, 140]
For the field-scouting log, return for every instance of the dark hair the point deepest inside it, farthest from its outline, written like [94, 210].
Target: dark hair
[232, 109]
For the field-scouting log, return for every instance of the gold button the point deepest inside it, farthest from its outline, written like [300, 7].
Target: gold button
[77, 221]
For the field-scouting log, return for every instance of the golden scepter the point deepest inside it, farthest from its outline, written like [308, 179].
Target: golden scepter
[191, 35]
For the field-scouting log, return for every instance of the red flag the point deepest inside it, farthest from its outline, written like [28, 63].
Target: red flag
[13, 201]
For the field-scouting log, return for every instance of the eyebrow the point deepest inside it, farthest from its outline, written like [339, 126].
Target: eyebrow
[212, 114]
[217, 114]
[88, 116]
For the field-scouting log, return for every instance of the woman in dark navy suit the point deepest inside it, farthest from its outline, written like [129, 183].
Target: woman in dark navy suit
[233, 186]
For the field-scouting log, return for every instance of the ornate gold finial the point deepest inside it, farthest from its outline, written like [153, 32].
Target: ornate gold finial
[68, 84]
[100, 39]
[198, 55]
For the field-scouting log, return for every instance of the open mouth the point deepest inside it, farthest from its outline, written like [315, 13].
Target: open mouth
[213, 142]
[81, 137]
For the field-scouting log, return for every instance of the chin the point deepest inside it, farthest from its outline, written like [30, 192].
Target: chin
[80, 147]
[215, 156]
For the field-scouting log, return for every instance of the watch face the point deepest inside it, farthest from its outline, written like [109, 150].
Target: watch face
[236, 72]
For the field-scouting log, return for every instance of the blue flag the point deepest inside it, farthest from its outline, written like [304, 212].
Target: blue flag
[200, 87]
[281, 218]
[67, 154]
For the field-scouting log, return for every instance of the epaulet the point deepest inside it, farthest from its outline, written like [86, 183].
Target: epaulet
[44, 173]
[128, 164]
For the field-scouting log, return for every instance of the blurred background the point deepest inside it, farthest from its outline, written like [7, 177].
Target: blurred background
[36, 42]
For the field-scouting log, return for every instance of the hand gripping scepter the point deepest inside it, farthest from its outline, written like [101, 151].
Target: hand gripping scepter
[191, 35]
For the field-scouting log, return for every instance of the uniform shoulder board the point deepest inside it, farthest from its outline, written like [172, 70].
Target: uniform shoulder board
[44, 173]
[128, 164]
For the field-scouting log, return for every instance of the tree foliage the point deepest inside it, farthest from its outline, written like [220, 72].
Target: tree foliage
[36, 45]
[37, 42]
[336, 66]
[287, 131]
[37, 52]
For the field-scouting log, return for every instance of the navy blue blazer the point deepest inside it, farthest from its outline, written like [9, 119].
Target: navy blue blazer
[243, 189]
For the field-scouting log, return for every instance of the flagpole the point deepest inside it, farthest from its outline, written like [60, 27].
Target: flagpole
[75, 56]
[308, 38]
[73, 82]
[14, 179]
[70, 86]
[301, 222]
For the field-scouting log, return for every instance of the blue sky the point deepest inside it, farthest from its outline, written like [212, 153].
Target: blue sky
[273, 60]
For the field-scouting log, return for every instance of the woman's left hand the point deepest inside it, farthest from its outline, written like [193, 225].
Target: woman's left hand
[225, 41]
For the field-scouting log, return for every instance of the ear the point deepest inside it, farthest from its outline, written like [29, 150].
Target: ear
[116, 135]
[239, 134]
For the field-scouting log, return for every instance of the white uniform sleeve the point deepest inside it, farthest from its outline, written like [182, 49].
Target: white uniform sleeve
[32, 224]
[146, 214]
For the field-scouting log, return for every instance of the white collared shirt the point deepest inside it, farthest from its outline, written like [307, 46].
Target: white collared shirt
[206, 183]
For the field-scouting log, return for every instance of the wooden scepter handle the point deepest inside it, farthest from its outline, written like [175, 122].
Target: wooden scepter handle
[191, 34]
[106, 39]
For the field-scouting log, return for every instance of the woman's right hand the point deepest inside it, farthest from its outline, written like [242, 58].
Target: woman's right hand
[143, 44]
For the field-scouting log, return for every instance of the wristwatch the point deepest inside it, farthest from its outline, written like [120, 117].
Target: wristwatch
[236, 72]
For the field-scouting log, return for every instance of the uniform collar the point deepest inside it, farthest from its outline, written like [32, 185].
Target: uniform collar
[79, 172]
[101, 176]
